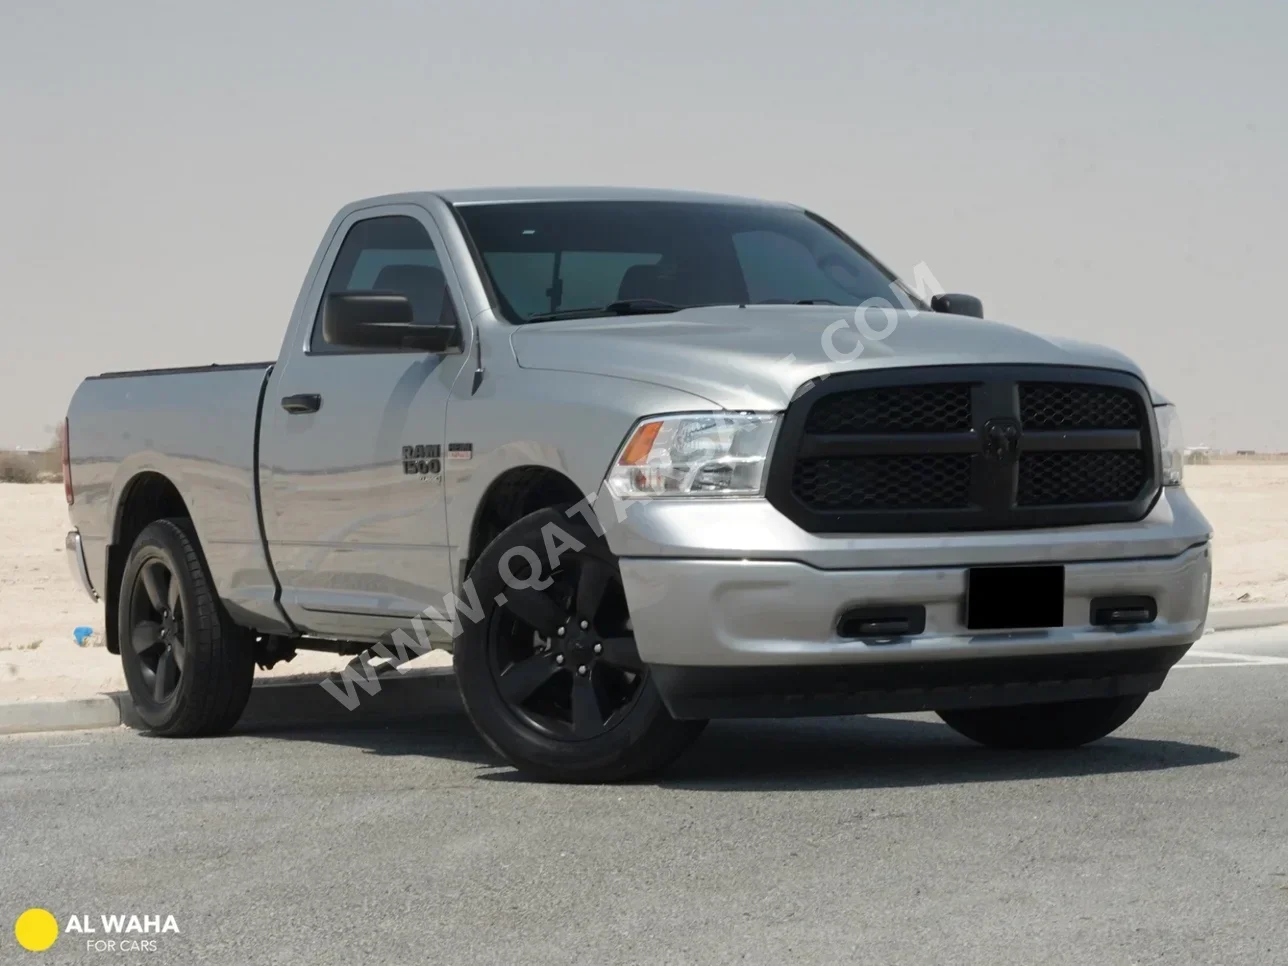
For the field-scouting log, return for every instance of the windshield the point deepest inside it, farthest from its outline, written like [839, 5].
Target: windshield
[559, 259]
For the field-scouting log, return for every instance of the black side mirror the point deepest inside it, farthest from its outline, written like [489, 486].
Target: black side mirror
[958, 304]
[381, 320]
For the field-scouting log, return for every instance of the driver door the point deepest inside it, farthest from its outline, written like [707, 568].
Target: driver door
[352, 444]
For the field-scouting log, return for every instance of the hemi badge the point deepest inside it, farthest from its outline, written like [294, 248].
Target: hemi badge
[460, 451]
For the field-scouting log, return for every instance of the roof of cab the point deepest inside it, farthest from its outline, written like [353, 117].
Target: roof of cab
[492, 196]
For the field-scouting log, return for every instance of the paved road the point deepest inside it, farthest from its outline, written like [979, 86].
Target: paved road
[882, 840]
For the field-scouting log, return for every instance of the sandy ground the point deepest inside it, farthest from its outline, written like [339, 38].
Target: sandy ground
[1247, 504]
[40, 604]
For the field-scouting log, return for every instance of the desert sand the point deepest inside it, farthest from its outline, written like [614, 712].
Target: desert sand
[40, 603]
[1247, 505]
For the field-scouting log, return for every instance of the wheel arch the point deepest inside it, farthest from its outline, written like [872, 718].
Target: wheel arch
[514, 494]
[148, 496]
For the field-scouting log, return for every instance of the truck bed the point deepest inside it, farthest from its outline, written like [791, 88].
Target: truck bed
[196, 426]
[177, 370]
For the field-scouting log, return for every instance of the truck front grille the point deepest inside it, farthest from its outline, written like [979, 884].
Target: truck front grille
[1053, 405]
[966, 448]
[1064, 479]
[899, 409]
[884, 482]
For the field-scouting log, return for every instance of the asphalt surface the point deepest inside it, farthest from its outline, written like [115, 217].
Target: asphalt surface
[878, 840]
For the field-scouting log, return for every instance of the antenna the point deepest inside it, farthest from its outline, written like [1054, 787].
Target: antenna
[478, 360]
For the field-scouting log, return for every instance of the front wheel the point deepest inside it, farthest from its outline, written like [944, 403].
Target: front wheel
[550, 675]
[1058, 724]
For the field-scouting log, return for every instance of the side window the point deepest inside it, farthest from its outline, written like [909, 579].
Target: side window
[392, 253]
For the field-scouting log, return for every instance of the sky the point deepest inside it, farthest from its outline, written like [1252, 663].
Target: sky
[1110, 171]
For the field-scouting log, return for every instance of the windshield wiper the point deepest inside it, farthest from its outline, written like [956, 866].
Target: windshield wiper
[620, 307]
[794, 302]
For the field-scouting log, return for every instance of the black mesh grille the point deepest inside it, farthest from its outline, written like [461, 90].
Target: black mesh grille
[1064, 478]
[940, 482]
[952, 448]
[899, 409]
[1054, 405]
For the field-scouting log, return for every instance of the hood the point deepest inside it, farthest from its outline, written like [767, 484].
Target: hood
[757, 357]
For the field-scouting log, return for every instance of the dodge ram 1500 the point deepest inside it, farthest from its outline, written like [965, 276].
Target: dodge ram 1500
[663, 457]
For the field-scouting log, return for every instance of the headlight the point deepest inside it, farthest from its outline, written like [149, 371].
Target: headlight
[1171, 443]
[694, 454]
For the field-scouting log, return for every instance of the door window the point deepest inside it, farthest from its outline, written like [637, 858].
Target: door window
[392, 253]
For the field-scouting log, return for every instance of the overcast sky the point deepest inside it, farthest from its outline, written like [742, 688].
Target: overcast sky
[1115, 171]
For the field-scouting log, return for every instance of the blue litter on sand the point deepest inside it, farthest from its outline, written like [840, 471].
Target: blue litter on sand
[81, 634]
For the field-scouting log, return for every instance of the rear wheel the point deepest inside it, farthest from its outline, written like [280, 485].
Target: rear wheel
[551, 676]
[188, 667]
[1059, 724]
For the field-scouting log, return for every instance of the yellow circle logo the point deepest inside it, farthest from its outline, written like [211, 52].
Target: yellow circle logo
[36, 930]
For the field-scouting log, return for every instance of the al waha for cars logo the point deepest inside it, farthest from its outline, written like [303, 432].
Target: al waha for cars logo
[37, 930]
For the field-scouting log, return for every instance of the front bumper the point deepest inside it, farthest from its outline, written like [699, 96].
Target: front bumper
[767, 612]
[769, 692]
[748, 624]
[76, 563]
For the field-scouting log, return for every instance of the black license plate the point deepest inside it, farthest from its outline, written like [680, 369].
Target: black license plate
[1010, 598]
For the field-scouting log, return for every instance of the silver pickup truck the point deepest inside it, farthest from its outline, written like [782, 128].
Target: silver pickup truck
[641, 459]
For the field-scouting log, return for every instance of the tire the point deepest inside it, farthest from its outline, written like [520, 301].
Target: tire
[530, 677]
[188, 667]
[1059, 724]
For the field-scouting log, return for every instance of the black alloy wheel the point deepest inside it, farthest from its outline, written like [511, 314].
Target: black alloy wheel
[550, 673]
[564, 656]
[188, 665]
[157, 632]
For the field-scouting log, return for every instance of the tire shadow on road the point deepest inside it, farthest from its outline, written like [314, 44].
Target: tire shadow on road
[899, 751]
[798, 753]
[449, 736]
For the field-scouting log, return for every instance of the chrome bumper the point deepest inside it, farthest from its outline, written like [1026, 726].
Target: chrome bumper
[76, 563]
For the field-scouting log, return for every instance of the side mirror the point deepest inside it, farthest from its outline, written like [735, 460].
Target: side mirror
[958, 304]
[381, 320]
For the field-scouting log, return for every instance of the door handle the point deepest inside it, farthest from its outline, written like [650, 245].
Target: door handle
[303, 402]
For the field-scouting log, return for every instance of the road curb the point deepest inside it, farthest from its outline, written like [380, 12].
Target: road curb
[274, 703]
[1246, 616]
[77, 714]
